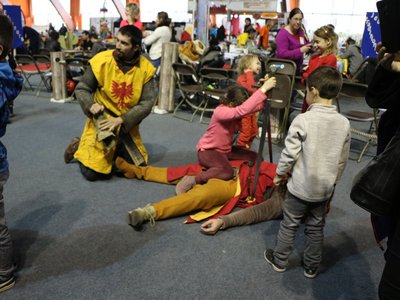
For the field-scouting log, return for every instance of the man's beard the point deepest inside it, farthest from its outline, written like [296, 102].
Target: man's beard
[127, 56]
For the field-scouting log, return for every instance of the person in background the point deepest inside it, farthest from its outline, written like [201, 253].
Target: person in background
[160, 35]
[248, 27]
[324, 53]
[116, 94]
[292, 41]
[32, 41]
[132, 12]
[213, 31]
[384, 92]
[221, 34]
[10, 87]
[52, 44]
[264, 35]
[316, 151]
[84, 42]
[214, 149]
[353, 54]
[98, 45]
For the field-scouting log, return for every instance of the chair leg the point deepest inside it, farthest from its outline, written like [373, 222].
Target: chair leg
[175, 114]
[203, 111]
[363, 150]
[27, 81]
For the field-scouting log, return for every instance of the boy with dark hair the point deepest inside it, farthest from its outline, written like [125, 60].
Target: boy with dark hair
[10, 86]
[316, 151]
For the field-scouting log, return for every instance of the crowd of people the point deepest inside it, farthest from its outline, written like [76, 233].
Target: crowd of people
[116, 95]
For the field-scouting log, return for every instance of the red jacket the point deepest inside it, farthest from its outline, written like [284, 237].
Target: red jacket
[249, 126]
[317, 61]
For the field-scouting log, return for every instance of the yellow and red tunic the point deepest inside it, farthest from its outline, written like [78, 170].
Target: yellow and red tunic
[119, 92]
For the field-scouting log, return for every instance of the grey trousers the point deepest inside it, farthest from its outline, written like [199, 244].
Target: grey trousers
[313, 213]
[6, 251]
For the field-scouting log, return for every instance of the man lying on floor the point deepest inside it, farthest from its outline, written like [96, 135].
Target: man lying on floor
[215, 198]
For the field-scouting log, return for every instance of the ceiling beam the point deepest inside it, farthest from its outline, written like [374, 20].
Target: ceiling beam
[64, 15]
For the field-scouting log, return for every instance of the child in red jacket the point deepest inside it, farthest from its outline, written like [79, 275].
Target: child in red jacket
[248, 66]
[325, 46]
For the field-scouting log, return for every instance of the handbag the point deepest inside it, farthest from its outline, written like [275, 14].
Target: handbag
[376, 188]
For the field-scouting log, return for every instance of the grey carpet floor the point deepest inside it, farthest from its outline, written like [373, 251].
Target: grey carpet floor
[72, 241]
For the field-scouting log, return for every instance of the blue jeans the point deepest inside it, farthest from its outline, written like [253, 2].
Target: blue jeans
[156, 63]
[313, 213]
[6, 251]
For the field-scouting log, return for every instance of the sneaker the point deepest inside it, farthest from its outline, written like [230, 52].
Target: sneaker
[310, 272]
[7, 284]
[185, 184]
[71, 149]
[138, 216]
[269, 257]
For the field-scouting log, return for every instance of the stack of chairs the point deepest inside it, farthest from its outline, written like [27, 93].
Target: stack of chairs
[34, 66]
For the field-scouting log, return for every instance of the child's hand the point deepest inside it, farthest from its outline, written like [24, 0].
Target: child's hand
[278, 179]
[268, 84]
[261, 80]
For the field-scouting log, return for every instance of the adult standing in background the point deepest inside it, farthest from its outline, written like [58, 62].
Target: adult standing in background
[291, 41]
[264, 35]
[248, 27]
[132, 12]
[159, 36]
[384, 92]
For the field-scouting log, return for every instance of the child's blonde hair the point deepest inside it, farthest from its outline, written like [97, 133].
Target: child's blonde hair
[133, 10]
[327, 33]
[245, 62]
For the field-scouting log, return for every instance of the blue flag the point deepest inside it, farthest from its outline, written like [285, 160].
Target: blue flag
[14, 13]
[371, 36]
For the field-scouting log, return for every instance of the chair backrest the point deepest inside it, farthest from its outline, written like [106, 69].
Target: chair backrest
[353, 89]
[185, 74]
[365, 71]
[285, 72]
[233, 74]
[26, 64]
[43, 62]
[44, 51]
[358, 90]
[214, 73]
[283, 66]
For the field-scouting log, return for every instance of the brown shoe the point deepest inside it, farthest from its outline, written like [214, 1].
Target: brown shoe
[71, 149]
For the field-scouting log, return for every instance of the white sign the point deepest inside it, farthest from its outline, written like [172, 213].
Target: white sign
[256, 6]
[178, 11]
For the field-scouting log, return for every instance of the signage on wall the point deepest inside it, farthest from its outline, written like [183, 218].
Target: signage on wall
[371, 36]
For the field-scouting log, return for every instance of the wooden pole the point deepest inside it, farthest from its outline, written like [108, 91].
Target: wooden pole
[166, 93]
[59, 77]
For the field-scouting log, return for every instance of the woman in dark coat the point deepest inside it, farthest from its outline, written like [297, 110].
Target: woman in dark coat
[384, 92]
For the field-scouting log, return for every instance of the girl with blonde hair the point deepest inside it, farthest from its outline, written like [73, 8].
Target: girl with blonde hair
[324, 48]
[132, 12]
